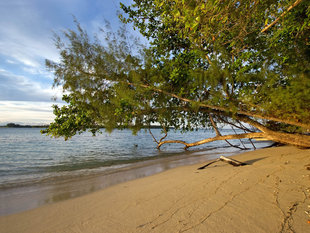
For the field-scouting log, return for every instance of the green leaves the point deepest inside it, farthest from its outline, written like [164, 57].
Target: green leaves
[243, 58]
[71, 119]
[201, 53]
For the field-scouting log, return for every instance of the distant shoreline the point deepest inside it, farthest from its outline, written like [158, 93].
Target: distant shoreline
[13, 125]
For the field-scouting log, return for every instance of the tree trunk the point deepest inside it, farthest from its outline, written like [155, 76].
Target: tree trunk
[291, 139]
[285, 138]
[217, 138]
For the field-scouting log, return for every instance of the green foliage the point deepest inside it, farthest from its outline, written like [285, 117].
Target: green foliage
[71, 119]
[201, 53]
[247, 69]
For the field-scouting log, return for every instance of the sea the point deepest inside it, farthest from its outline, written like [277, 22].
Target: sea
[29, 159]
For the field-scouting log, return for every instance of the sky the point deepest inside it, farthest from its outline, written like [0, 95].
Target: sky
[26, 41]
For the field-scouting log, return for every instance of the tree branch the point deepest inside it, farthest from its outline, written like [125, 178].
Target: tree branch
[213, 107]
[239, 139]
[219, 134]
[217, 138]
[223, 109]
[164, 135]
[281, 16]
[236, 126]
[214, 126]
[153, 136]
[232, 145]
[160, 140]
[244, 128]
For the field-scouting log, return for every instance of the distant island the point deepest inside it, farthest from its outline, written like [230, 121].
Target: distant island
[13, 125]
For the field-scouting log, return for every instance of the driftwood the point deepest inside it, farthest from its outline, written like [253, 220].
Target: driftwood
[233, 162]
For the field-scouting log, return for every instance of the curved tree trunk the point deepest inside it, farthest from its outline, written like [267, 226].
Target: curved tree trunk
[217, 138]
[285, 138]
[281, 137]
[291, 139]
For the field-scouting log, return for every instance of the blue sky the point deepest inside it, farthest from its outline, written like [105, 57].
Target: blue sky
[26, 40]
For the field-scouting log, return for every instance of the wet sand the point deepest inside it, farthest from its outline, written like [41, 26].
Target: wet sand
[271, 194]
[67, 186]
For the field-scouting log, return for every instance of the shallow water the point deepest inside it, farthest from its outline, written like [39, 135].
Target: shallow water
[27, 156]
[36, 169]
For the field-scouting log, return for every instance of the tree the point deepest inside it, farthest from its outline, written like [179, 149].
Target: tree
[209, 62]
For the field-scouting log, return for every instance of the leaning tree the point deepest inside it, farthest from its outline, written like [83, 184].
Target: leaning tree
[241, 63]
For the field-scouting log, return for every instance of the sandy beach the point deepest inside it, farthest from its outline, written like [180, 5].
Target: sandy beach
[271, 194]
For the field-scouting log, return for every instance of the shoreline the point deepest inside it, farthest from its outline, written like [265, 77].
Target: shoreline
[271, 194]
[29, 196]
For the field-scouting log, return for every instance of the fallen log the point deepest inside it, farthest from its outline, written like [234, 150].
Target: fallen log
[233, 162]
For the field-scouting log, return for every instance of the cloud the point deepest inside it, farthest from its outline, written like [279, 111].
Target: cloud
[26, 48]
[26, 112]
[26, 27]
[26, 32]
[15, 87]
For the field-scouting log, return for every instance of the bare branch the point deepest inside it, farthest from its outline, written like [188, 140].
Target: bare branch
[153, 136]
[163, 136]
[217, 138]
[219, 134]
[242, 126]
[245, 129]
[239, 139]
[252, 143]
[158, 142]
[232, 145]
[232, 124]
[214, 126]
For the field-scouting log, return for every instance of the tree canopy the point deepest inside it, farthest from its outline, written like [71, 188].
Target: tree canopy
[207, 62]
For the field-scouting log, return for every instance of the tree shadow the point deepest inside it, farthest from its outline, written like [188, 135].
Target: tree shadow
[250, 162]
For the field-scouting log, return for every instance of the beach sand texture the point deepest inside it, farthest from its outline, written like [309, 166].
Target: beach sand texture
[271, 194]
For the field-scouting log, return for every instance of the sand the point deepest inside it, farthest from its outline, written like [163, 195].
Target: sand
[271, 194]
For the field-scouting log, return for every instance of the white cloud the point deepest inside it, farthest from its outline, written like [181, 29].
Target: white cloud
[23, 112]
[28, 51]
[26, 35]
[16, 87]
[10, 61]
[26, 32]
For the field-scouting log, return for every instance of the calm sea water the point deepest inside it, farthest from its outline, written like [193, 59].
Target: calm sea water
[26, 156]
